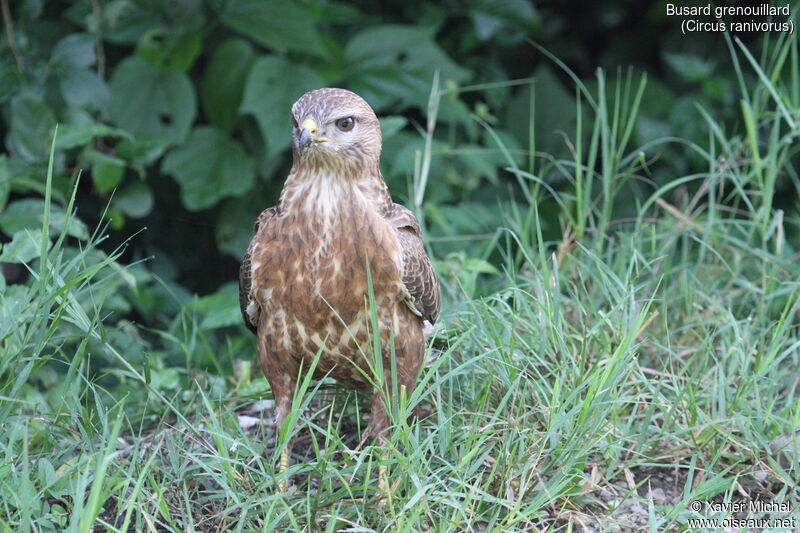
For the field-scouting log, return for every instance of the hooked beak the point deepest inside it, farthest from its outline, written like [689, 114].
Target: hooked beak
[308, 132]
[308, 135]
[304, 140]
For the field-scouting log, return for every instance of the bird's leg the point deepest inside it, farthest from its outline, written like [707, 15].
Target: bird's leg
[283, 485]
[409, 354]
[280, 416]
[283, 404]
[281, 373]
[379, 422]
[379, 418]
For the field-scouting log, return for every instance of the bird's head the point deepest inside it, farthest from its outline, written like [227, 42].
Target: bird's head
[335, 128]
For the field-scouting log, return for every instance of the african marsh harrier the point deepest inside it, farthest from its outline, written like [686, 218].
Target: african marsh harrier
[303, 283]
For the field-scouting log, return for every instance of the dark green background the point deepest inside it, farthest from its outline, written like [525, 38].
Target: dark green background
[176, 116]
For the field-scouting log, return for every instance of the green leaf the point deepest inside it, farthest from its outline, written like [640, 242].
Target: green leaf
[73, 135]
[507, 143]
[127, 22]
[23, 176]
[135, 199]
[166, 378]
[555, 112]
[116, 219]
[167, 50]
[501, 17]
[274, 84]
[209, 166]
[10, 79]
[391, 125]
[689, 66]
[392, 61]
[280, 26]
[477, 162]
[140, 152]
[401, 162]
[379, 45]
[5, 182]
[234, 227]
[47, 474]
[469, 217]
[148, 101]
[75, 50]
[223, 82]
[25, 246]
[83, 88]
[32, 122]
[107, 174]
[220, 309]
[28, 213]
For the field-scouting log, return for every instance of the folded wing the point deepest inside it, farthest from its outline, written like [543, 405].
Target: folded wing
[418, 274]
[248, 308]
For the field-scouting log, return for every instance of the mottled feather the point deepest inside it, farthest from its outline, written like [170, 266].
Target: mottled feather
[246, 268]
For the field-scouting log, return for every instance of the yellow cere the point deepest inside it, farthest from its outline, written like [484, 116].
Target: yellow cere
[310, 125]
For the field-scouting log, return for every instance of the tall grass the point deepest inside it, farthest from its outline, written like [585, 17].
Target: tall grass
[665, 344]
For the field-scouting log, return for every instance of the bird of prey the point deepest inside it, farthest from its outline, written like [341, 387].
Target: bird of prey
[303, 283]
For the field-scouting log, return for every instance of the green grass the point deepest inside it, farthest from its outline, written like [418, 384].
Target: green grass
[661, 344]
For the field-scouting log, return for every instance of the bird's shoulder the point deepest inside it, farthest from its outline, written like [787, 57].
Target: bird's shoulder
[401, 217]
[264, 217]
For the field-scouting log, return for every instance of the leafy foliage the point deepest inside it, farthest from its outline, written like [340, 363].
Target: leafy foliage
[635, 239]
[209, 166]
[176, 114]
[142, 91]
[151, 102]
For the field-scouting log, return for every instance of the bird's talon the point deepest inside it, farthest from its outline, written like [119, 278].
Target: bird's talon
[283, 485]
[383, 489]
[284, 466]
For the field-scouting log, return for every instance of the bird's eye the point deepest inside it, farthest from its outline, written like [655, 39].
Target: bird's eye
[346, 123]
[294, 122]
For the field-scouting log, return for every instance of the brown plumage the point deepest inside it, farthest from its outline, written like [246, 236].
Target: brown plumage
[303, 281]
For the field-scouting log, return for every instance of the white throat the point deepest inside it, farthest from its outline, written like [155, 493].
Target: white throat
[320, 194]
